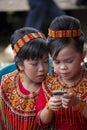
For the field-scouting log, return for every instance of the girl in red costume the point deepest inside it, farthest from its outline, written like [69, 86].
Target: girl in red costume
[65, 111]
[19, 89]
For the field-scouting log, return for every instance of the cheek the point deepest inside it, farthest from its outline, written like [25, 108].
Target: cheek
[29, 70]
[75, 67]
[30, 73]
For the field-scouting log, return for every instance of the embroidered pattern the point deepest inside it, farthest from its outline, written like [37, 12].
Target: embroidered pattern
[19, 103]
[64, 33]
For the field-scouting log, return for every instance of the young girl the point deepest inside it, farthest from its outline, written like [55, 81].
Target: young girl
[19, 89]
[66, 111]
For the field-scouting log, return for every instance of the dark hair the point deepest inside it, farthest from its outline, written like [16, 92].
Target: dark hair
[33, 49]
[65, 22]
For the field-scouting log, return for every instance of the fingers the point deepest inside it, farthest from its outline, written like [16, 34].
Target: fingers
[66, 101]
[69, 100]
[55, 103]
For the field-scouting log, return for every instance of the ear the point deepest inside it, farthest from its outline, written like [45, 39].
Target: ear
[21, 68]
[84, 54]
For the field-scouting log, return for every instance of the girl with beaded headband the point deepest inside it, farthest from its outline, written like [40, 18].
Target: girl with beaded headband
[20, 89]
[63, 95]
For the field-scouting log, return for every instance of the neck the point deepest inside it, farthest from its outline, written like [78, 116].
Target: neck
[29, 84]
[32, 87]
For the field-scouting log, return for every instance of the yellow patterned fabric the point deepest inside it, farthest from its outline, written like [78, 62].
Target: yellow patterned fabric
[21, 42]
[64, 33]
[67, 119]
[18, 111]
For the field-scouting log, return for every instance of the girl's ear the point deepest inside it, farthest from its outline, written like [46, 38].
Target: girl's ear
[21, 68]
[84, 54]
[85, 59]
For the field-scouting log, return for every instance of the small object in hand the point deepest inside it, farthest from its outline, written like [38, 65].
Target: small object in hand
[59, 92]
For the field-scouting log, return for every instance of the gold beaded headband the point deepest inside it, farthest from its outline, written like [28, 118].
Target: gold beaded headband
[64, 33]
[21, 42]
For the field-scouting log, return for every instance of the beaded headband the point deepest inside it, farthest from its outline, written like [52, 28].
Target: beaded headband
[21, 42]
[64, 33]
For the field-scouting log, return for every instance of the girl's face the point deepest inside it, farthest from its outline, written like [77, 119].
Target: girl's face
[36, 70]
[68, 63]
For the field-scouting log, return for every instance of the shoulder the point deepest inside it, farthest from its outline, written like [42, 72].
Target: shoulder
[51, 81]
[50, 84]
[7, 79]
[9, 76]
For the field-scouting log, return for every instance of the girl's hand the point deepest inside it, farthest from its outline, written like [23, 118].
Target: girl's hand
[69, 100]
[55, 103]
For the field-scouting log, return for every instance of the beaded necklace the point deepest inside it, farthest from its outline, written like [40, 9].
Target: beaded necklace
[67, 86]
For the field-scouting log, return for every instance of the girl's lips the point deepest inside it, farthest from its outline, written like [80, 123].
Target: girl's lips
[65, 74]
[41, 76]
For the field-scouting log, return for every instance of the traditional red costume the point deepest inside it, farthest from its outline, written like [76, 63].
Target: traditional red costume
[18, 106]
[70, 118]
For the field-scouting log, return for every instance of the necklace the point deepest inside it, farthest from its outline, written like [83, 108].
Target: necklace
[16, 84]
[68, 86]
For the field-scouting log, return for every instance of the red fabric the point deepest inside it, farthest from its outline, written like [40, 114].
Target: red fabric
[40, 104]
[41, 101]
[38, 118]
[64, 119]
[22, 89]
[18, 111]
[0, 110]
[45, 126]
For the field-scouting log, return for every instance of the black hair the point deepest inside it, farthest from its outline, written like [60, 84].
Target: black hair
[65, 22]
[33, 49]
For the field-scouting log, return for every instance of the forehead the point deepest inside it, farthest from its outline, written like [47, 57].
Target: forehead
[45, 56]
[67, 52]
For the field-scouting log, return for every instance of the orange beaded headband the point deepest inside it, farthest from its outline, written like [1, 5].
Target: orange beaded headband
[21, 42]
[64, 33]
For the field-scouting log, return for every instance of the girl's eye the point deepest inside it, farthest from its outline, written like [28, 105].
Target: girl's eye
[46, 61]
[56, 62]
[34, 64]
[69, 61]
[66, 61]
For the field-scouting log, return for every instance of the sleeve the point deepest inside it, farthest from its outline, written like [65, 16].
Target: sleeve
[40, 104]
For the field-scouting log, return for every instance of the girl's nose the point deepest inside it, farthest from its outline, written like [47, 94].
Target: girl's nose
[41, 67]
[63, 66]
